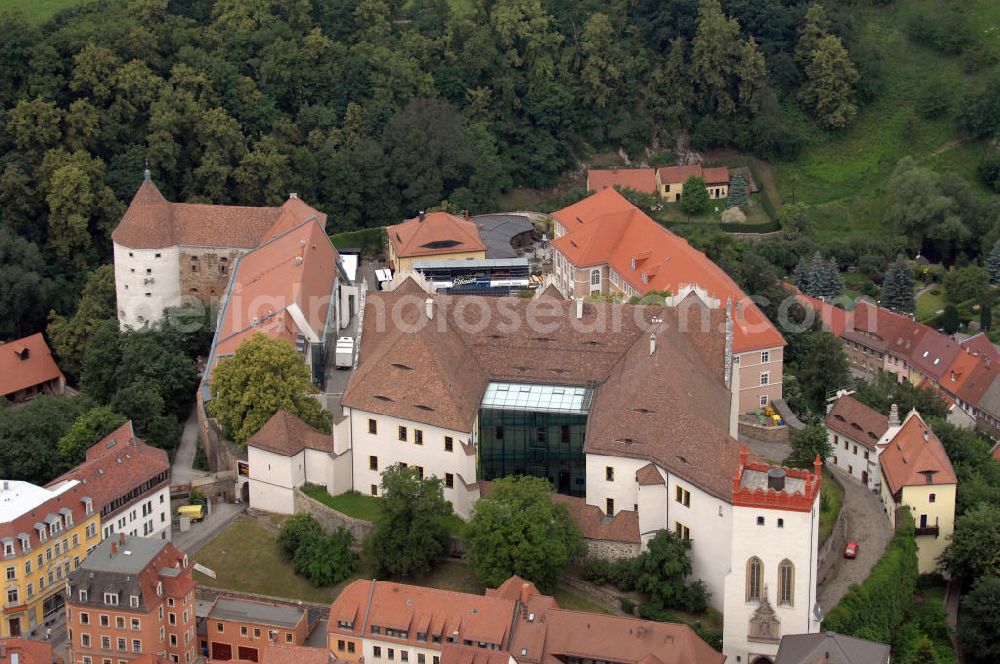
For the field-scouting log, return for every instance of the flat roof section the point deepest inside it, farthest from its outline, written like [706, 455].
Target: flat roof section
[538, 398]
[470, 264]
[256, 612]
[497, 230]
[129, 558]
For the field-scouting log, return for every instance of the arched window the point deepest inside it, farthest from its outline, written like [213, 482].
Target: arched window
[786, 583]
[755, 578]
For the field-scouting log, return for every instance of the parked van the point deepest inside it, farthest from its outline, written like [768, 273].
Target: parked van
[194, 512]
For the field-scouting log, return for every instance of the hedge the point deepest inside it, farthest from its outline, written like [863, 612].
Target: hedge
[370, 241]
[763, 227]
[876, 608]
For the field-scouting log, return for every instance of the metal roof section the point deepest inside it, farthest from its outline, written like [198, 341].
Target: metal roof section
[538, 398]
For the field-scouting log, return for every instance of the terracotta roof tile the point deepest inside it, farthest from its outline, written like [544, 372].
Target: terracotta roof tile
[278, 653]
[606, 229]
[594, 525]
[436, 371]
[152, 222]
[915, 457]
[27, 651]
[289, 275]
[550, 291]
[437, 233]
[981, 344]
[288, 435]
[25, 363]
[116, 463]
[640, 179]
[648, 475]
[849, 417]
[679, 174]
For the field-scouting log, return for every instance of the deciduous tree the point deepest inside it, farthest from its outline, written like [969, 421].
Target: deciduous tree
[808, 443]
[326, 559]
[295, 530]
[824, 369]
[966, 283]
[264, 376]
[70, 335]
[88, 429]
[519, 529]
[29, 436]
[979, 632]
[695, 198]
[409, 537]
[974, 551]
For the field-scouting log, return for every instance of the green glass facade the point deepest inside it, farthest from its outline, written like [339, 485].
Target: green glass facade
[543, 444]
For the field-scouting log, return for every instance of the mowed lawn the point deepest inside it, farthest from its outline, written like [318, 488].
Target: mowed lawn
[842, 175]
[368, 508]
[246, 557]
[39, 11]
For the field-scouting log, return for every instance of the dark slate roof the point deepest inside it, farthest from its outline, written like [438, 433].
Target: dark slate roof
[830, 648]
[497, 230]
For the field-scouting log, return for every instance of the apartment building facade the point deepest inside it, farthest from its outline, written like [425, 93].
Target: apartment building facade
[129, 482]
[133, 597]
[46, 535]
[243, 629]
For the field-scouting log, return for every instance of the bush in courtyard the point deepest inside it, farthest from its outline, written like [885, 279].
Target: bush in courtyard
[409, 537]
[296, 530]
[326, 559]
[596, 571]
[661, 571]
[519, 529]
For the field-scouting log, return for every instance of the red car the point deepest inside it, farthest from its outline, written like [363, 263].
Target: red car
[852, 550]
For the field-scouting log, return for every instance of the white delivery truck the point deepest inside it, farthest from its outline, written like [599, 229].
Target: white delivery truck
[345, 353]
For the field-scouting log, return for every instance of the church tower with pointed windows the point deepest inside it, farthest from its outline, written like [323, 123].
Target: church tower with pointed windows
[771, 586]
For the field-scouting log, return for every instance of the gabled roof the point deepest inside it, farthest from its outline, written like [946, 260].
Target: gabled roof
[115, 464]
[679, 174]
[648, 475]
[25, 651]
[25, 363]
[287, 434]
[605, 229]
[435, 370]
[153, 222]
[640, 179]
[915, 457]
[849, 417]
[550, 291]
[980, 344]
[436, 233]
[830, 648]
[281, 289]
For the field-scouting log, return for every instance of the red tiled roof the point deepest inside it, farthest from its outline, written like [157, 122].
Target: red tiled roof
[272, 285]
[606, 229]
[438, 233]
[456, 654]
[679, 174]
[279, 653]
[981, 344]
[719, 175]
[849, 417]
[152, 222]
[288, 435]
[640, 179]
[832, 318]
[915, 457]
[116, 463]
[648, 475]
[414, 609]
[961, 369]
[18, 372]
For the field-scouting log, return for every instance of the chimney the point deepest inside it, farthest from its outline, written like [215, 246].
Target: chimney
[298, 260]
[652, 342]
[525, 593]
[893, 416]
[293, 195]
[429, 308]
[423, 215]
[579, 308]
[776, 479]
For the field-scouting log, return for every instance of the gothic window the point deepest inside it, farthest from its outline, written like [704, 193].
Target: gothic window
[786, 583]
[755, 577]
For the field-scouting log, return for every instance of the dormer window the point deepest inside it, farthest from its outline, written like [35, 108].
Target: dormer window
[111, 599]
[83, 595]
[133, 601]
[159, 589]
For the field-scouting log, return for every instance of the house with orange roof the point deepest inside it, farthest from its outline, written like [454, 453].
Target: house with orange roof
[917, 474]
[169, 254]
[606, 246]
[640, 179]
[129, 483]
[381, 621]
[27, 369]
[671, 179]
[26, 651]
[854, 432]
[433, 235]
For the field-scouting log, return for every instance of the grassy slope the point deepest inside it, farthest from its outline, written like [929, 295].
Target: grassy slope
[39, 11]
[834, 499]
[367, 508]
[246, 557]
[842, 175]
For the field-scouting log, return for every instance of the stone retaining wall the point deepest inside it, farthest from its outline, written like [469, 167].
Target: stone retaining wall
[831, 550]
[608, 597]
[765, 434]
[610, 550]
[221, 452]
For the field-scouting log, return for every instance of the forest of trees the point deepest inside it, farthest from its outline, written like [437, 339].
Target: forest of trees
[372, 109]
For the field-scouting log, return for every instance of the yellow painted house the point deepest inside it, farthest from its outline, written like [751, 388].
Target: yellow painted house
[916, 473]
[436, 235]
[46, 534]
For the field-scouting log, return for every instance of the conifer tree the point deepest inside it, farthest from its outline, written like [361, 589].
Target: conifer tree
[738, 192]
[897, 289]
[993, 263]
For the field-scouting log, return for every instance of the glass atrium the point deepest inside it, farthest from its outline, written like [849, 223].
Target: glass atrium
[527, 429]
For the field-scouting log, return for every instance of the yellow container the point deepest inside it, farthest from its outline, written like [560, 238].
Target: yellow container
[194, 512]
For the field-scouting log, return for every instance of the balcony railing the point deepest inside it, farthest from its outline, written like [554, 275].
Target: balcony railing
[926, 530]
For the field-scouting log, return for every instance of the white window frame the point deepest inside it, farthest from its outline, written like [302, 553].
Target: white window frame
[765, 378]
[765, 356]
